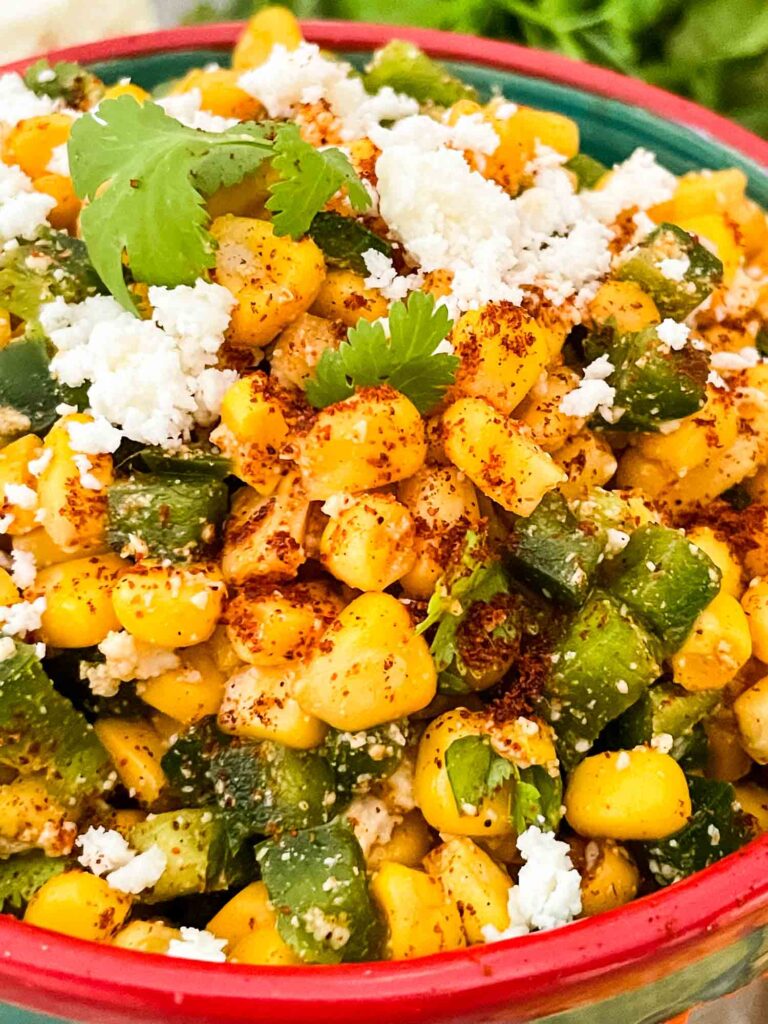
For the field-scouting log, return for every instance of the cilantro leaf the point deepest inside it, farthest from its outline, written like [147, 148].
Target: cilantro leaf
[407, 360]
[308, 179]
[476, 771]
[474, 578]
[134, 163]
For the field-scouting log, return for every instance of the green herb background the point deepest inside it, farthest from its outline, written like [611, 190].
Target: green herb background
[714, 51]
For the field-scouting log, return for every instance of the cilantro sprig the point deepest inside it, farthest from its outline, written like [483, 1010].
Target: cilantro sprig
[146, 177]
[407, 360]
[476, 771]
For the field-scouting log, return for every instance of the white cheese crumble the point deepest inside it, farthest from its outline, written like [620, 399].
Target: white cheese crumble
[673, 334]
[197, 944]
[7, 648]
[36, 466]
[103, 850]
[20, 495]
[59, 162]
[674, 269]
[185, 108]
[17, 102]
[548, 890]
[616, 541]
[289, 79]
[337, 503]
[22, 209]
[24, 568]
[126, 659]
[372, 822]
[382, 275]
[153, 378]
[141, 872]
[96, 437]
[88, 480]
[593, 391]
[22, 617]
[639, 181]
[744, 359]
[663, 742]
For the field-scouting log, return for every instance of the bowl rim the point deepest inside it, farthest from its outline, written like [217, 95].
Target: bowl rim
[721, 898]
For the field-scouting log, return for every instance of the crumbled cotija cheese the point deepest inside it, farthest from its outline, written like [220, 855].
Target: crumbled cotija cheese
[24, 568]
[103, 850]
[383, 275]
[674, 269]
[372, 822]
[153, 378]
[548, 890]
[126, 659]
[741, 360]
[593, 391]
[197, 944]
[185, 108]
[22, 209]
[20, 495]
[36, 466]
[88, 480]
[17, 102]
[59, 162]
[7, 648]
[673, 334]
[23, 617]
[96, 437]
[141, 872]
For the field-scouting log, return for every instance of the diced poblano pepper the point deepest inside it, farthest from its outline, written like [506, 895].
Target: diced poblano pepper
[54, 265]
[266, 787]
[665, 710]
[28, 393]
[317, 884]
[344, 240]
[65, 80]
[555, 553]
[407, 69]
[359, 757]
[665, 580]
[600, 667]
[588, 171]
[717, 827]
[653, 383]
[644, 265]
[23, 874]
[187, 762]
[199, 852]
[193, 460]
[164, 517]
[40, 731]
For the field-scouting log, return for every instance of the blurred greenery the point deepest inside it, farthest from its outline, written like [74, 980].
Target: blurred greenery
[714, 51]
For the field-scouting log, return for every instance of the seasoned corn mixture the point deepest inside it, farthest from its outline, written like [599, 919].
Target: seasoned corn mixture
[384, 483]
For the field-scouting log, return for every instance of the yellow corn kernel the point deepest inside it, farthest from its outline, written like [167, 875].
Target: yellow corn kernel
[432, 788]
[30, 144]
[146, 936]
[220, 94]
[369, 668]
[498, 457]
[588, 461]
[269, 26]
[474, 882]
[264, 536]
[752, 224]
[124, 819]
[717, 647]
[136, 750]
[526, 741]
[441, 500]
[374, 438]
[370, 542]
[409, 843]
[79, 904]
[222, 652]
[518, 136]
[247, 911]
[420, 917]
[727, 761]
[609, 876]
[188, 693]
[503, 351]
[74, 515]
[700, 193]
[343, 296]
[627, 794]
[550, 427]
[31, 817]
[300, 346]
[260, 704]
[275, 625]
[718, 229]
[169, 605]
[751, 710]
[626, 304]
[46, 553]
[720, 551]
[14, 473]
[65, 213]
[8, 591]
[755, 605]
[253, 429]
[264, 947]
[754, 800]
[273, 278]
[113, 92]
[5, 327]
[78, 594]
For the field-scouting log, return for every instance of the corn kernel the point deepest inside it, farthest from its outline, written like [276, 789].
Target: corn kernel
[168, 605]
[420, 917]
[247, 911]
[717, 647]
[78, 594]
[79, 904]
[136, 751]
[751, 710]
[474, 882]
[370, 543]
[260, 704]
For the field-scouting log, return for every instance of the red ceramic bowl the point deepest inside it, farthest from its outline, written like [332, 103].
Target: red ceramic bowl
[641, 964]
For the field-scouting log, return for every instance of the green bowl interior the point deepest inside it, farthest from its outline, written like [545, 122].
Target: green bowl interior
[609, 130]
